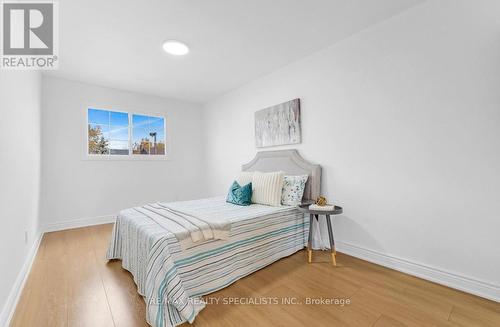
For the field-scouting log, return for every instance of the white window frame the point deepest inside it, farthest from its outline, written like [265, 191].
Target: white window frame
[130, 156]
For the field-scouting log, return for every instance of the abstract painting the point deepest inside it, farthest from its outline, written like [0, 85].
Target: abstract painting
[278, 125]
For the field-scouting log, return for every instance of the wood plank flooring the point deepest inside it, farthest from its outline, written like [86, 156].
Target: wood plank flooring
[71, 284]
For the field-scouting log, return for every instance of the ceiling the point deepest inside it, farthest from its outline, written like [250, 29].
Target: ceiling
[117, 43]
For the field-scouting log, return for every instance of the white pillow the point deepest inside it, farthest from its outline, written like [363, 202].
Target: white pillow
[245, 178]
[267, 188]
[293, 190]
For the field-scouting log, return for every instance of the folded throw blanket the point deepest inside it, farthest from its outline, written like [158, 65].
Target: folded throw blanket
[190, 228]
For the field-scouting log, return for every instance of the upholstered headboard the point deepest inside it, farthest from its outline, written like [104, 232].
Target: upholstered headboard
[292, 163]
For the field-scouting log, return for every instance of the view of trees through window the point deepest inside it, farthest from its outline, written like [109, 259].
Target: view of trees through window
[109, 133]
[148, 135]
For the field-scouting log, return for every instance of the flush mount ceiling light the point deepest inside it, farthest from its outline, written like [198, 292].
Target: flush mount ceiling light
[175, 48]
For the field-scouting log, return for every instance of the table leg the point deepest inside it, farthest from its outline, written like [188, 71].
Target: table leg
[332, 241]
[309, 241]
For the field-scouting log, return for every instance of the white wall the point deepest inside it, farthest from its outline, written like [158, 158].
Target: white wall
[75, 189]
[20, 101]
[404, 118]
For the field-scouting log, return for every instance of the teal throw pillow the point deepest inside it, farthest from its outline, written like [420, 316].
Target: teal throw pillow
[240, 195]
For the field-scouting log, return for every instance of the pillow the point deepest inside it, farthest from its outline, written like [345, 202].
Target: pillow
[267, 188]
[245, 177]
[293, 190]
[240, 195]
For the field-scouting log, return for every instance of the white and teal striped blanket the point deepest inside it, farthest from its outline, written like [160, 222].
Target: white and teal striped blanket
[173, 267]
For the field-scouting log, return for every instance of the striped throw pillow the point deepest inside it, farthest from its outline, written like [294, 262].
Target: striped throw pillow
[267, 188]
[245, 177]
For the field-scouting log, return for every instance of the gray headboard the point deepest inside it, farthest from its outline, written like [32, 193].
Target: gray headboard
[292, 163]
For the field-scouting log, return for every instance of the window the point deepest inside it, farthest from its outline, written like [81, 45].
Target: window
[148, 135]
[117, 133]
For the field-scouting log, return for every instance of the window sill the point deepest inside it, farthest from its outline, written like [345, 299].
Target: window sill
[127, 158]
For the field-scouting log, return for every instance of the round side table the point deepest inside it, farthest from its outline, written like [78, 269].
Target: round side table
[315, 214]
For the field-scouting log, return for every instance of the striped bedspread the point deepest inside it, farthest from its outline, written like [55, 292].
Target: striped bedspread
[173, 278]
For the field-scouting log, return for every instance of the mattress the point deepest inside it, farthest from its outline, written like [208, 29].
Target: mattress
[173, 280]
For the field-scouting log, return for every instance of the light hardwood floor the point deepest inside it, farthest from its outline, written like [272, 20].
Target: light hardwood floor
[71, 284]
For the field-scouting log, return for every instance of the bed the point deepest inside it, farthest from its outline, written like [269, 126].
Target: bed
[173, 272]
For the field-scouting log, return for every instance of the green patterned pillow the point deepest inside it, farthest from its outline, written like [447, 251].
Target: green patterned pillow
[240, 195]
[293, 190]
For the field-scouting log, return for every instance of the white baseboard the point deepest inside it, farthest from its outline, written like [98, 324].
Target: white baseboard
[15, 292]
[77, 223]
[439, 276]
